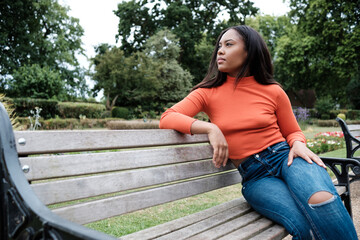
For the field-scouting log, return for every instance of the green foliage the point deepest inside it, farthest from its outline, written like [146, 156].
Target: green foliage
[24, 106]
[41, 32]
[76, 110]
[36, 82]
[9, 107]
[135, 124]
[323, 107]
[129, 80]
[353, 91]
[322, 50]
[188, 20]
[120, 112]
[175, 82]
[150, 79]
[271, 29]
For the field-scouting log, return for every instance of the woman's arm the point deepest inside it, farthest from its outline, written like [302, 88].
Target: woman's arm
[293, 134]
[216, 138]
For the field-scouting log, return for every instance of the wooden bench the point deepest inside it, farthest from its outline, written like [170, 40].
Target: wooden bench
[101, 174]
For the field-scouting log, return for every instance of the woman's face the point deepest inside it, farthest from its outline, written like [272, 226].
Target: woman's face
[231, 54]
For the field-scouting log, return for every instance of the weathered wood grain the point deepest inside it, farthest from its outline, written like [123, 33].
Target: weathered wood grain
[114, 206]
[44, 167]
[84, 187]
[91, 140]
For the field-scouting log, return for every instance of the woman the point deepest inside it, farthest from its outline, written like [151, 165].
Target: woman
[252, 124]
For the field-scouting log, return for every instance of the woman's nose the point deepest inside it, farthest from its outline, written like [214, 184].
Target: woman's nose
[220, 51]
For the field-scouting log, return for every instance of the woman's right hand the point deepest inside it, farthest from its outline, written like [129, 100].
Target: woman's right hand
[220, 146]
[216, 138]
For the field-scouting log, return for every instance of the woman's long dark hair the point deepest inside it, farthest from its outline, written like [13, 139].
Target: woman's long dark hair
[257, 64]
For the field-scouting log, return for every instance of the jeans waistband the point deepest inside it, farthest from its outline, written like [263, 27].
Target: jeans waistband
[252, 158]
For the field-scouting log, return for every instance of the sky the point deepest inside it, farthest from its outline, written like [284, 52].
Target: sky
[100, 23]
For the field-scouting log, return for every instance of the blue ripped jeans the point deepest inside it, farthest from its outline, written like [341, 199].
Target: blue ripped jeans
[281, 193]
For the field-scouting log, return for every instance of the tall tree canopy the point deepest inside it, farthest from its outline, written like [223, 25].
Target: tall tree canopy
[40, 32]
[189, 20]
[151, 78]
[322, 50]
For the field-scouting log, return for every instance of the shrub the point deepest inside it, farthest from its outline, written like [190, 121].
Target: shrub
[323, 107]
[342, 116]
[69, 123]
[34, 81]
[24, 106]
[353, 114]
[136, 124]
[75, 110]
[120, 112]
[327, 123]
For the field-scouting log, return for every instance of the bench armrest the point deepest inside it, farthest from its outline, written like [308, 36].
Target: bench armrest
[340, 167]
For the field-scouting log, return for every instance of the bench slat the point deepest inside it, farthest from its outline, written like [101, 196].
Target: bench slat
[110, 207]
[53, 166]
[276, 232]
[353, 127]
[84, 187]
[211, 229]
[238, 205]
[192, 232]
[251, 229]
[356, 133]
[91, 140]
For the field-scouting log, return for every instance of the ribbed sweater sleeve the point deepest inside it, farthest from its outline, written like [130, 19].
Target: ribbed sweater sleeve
[289, 127]
[180, 116]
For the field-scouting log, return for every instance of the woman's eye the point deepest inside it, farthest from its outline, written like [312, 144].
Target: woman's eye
[229, 44]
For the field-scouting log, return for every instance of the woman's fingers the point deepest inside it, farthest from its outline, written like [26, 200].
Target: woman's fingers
[300, 150]
[220, 155]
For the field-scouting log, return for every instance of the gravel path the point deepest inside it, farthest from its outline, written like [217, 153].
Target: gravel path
[355, 202]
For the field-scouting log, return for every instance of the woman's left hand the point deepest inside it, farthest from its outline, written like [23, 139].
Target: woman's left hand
[299, 149]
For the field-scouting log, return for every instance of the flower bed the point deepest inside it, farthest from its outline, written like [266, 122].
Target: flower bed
[325, 142]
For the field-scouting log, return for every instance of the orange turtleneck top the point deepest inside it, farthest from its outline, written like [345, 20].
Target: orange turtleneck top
[251, 116]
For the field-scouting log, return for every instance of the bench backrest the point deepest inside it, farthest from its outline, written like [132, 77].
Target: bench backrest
[355, 130]
[89, 175]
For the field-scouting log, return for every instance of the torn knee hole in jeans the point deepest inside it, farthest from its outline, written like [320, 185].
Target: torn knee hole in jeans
[321, 198]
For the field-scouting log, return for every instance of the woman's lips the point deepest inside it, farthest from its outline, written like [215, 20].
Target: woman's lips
[220, 60]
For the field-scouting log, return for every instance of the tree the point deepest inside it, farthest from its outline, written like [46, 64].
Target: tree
[151, 78]
[323, 51]
[128, 81]
[174, 81]
[36, 82]
[40, 32]
[189, 20]
[271, 28]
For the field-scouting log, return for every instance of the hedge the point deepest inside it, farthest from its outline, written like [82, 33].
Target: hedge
[23, 106]
[76, 110]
